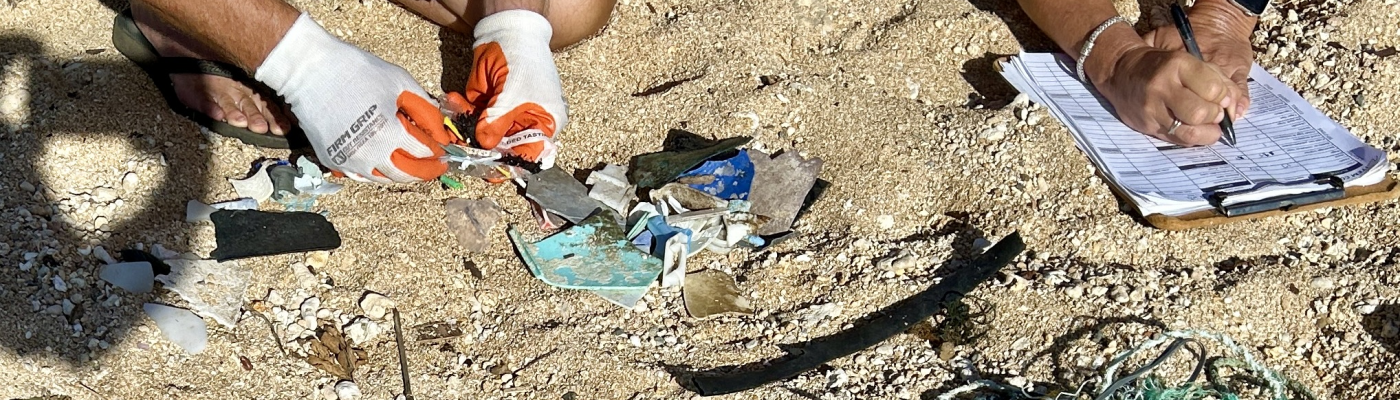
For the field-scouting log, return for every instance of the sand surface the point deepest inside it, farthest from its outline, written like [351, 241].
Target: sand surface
[894, 96]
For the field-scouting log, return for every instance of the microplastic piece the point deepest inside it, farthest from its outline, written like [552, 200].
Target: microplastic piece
[179, 326]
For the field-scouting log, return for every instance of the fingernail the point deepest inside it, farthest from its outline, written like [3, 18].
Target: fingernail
[1220, 117]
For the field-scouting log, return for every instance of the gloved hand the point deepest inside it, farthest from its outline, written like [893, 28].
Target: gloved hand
[515, 87]
[365, 117]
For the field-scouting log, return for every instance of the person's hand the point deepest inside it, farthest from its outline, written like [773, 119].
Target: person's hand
[365, 117]
[514, 86]
[1150, 88]
[1222, 32]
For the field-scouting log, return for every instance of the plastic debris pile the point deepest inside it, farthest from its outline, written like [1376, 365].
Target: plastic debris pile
[616, 245]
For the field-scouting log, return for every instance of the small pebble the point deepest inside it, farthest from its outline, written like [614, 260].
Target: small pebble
[885, 221]
[347, 390]
[130, 181]
[1323, 283]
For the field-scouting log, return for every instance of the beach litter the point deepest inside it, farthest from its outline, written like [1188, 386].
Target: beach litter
[250, 233]
[180, 326]
[698, 200]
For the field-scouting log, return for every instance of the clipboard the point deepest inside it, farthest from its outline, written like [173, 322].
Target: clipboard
[1384, 190]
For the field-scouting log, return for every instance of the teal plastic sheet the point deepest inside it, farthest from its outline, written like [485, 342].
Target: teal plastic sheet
[595, 254]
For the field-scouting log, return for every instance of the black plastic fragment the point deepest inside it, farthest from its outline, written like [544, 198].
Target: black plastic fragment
[157, 266]
[896, 318]
[252, 233]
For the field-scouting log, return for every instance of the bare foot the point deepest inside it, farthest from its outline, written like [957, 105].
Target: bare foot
[220, 98]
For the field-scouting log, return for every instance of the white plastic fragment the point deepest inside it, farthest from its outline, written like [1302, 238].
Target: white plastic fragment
[673, 267]
[196, 211]
[213, 289]
[135, 277]
[375, 305]
[162, 253]
[180, 326]
[610, 186]
[312, 181]
[257, 186]
[101, 254]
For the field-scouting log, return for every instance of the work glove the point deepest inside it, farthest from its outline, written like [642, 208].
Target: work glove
[514, 87]
[365, 117]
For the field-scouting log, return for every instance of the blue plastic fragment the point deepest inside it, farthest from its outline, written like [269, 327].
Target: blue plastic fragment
[661, 233]
[643, 241]
[732, 177]
[595, 254]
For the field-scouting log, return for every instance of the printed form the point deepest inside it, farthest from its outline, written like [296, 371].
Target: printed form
[1284, 143]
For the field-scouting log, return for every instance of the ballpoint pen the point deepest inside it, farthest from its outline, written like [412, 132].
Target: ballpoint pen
[1183, 26]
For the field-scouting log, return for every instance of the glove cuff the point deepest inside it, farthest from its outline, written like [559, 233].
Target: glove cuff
[298, 53]
[521, 26]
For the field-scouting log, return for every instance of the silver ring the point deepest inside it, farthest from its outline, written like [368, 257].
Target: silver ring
[1176, 123]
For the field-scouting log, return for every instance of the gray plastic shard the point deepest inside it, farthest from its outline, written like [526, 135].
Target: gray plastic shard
[558, 192]
[780, 187]
[135, 277]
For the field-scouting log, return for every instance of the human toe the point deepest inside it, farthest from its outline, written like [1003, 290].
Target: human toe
[257, 121]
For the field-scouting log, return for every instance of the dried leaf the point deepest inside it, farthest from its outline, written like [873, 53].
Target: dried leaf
[332, 353]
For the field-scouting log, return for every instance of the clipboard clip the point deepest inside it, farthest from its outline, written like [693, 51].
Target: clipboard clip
[1336, 190]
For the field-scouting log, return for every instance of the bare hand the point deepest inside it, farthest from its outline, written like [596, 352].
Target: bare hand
[1223, 35]
[1151, 88]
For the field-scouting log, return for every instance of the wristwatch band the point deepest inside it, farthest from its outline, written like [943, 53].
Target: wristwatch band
[1251, 7]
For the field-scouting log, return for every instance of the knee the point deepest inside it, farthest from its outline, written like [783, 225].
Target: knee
[577, 20]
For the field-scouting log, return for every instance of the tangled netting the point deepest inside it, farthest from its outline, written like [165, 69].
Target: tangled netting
[1249, 375]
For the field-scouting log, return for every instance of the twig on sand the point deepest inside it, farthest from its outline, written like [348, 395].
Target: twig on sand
[403, 360]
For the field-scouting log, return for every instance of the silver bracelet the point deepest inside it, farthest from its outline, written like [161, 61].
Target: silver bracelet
[1089, 45]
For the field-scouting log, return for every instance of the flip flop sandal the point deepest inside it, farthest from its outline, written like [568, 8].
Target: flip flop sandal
[129, 40]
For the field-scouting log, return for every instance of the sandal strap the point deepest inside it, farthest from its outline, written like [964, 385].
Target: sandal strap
[188, 65]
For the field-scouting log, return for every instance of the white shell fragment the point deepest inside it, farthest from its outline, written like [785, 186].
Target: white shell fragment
[375, 305]
[180, 326]
[347, 390]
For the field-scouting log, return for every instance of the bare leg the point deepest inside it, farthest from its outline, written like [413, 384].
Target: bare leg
[218, 97]
[573, 20]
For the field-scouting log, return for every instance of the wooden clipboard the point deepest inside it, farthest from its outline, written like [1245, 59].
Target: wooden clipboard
[1386, 189]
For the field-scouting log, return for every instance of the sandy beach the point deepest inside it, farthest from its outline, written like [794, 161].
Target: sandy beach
[922, 158]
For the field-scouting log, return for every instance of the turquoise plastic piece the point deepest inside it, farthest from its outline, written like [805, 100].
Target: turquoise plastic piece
[595, 254]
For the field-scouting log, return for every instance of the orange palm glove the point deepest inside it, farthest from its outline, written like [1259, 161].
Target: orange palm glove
[515, 88]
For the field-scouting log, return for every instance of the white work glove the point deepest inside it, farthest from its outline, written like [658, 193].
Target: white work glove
[365, 117]
[515, 88]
